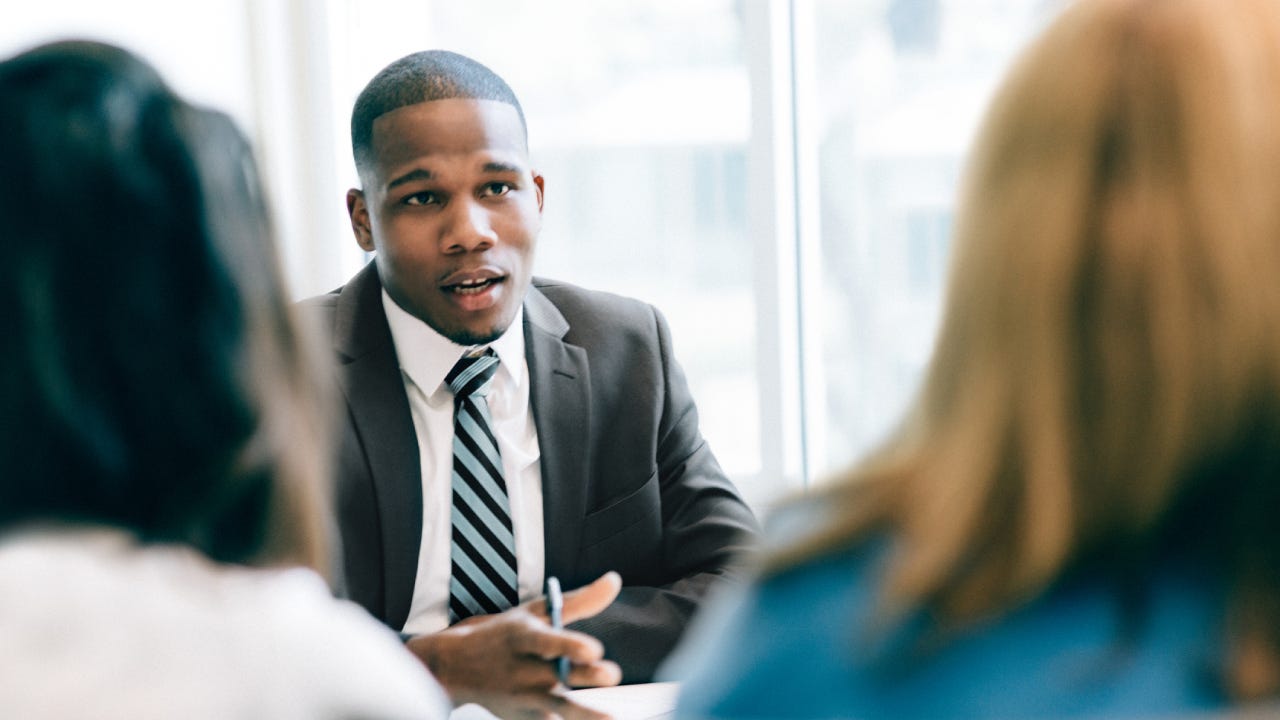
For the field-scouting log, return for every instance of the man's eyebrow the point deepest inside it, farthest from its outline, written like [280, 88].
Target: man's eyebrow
[415, 174]
[502, 167]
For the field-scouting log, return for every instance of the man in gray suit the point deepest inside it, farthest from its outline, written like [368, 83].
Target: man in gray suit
[596, 463]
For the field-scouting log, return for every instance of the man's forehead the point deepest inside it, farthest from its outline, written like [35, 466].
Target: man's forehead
[453, 124]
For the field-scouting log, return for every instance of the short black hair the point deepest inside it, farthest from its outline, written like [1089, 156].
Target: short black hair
[151, 368]
[422, 77]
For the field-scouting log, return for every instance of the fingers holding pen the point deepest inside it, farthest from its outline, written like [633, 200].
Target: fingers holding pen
[587, 668]
[584, 602]
[602, 673]
[590, 599]
[515, 651]
[545, 642]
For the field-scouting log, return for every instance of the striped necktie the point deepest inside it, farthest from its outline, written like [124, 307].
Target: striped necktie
[483, 575]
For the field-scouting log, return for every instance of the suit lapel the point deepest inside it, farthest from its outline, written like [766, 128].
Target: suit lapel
[370, 379]
[560, 393]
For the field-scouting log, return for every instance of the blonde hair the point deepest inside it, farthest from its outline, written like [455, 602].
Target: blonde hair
[1110, 353]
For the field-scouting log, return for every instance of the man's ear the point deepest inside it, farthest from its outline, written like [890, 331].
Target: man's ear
[538, 183]
[358, 209]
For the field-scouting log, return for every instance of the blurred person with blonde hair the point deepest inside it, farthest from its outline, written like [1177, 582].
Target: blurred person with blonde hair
[1076, 518]
[162, 494]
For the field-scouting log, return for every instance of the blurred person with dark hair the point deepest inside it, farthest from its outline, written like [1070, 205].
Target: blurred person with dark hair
[1077, 518]
[161, 429]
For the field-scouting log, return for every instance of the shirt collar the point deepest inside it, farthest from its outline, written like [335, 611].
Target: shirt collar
[426, 356]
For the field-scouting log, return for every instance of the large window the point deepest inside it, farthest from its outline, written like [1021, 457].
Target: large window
[203, 49]
[896, 91]
[777, 176]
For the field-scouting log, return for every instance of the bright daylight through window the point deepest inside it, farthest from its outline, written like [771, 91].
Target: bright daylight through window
[778, 177]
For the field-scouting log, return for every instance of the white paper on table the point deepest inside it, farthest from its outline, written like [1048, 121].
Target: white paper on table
[631, 702]
[625, 702]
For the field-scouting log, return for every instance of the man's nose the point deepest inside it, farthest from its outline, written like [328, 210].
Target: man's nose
[468, 227]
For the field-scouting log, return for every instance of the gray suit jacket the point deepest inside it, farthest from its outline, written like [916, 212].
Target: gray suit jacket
[628, 482]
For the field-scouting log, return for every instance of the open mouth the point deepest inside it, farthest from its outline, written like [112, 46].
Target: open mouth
[473, 287]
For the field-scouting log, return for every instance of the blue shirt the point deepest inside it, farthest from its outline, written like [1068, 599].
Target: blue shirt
[803, 644]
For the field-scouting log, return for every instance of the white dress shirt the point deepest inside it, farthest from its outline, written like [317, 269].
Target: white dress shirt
[425, 358]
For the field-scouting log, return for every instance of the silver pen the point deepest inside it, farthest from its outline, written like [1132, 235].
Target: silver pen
[555, 611]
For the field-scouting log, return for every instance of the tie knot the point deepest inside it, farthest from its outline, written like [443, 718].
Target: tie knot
[473, 375]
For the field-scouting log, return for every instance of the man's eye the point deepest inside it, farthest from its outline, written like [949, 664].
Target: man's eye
[422, 198]
[494, 189]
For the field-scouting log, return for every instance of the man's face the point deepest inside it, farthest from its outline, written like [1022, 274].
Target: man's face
[453, 211]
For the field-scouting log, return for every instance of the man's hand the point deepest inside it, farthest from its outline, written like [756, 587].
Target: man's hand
[510, 653]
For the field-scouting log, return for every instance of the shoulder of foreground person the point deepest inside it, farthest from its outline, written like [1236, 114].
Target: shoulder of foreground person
[761, 649]
[808, 642]
[93, 620]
